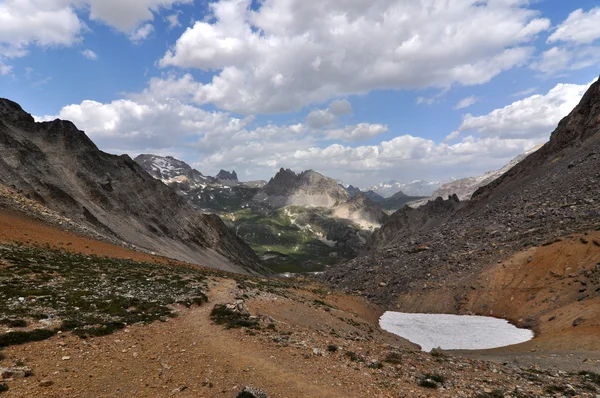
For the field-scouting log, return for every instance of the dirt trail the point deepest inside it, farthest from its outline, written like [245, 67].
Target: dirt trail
[188, 353]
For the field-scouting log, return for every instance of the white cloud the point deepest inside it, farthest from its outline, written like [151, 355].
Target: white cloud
[466, 102]
[559, 59]
[89, 54]
[212, 140]
[128, 124]
[318, 118]
[525, 92]
[359, 132]
[173, 20]
[531, 118]
[580, 27]
[141, 33]
[43, 23]
[291, 53]
[127, 15]
[4, 69]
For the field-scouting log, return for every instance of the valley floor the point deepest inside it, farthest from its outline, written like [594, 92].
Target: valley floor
[309, 341]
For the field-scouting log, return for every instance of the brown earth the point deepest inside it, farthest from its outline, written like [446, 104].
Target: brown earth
[191, 356]
[18, 228]
[546, 288]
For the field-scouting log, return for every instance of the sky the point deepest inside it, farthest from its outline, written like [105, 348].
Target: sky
[361, 91]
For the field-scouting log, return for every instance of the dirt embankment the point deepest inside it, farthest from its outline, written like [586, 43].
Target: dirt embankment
[553, 289]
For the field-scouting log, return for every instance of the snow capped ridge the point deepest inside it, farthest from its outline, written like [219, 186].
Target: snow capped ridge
[413, 188]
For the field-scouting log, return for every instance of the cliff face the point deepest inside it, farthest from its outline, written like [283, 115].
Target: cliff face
[59, 166]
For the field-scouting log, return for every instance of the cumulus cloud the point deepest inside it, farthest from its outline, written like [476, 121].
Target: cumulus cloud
[141, 33]
[128, 124]
[559, 59]
[89, 54]
[43, 23]
[580, 27]
[359, 132]
[290, 53]
[532, 117]
[126, 15]
[466, 102]
[318, 118]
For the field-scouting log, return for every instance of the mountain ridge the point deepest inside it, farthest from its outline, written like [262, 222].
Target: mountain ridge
[59, 166]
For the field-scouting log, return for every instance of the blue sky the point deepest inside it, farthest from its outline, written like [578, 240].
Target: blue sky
[361, 91]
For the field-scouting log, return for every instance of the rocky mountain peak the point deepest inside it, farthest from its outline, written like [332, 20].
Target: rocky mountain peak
[227, 176]
[12, 112]
[308, 188]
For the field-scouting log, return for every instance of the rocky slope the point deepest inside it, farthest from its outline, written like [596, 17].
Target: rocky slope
[57, 165]
[552, 193]
[465, 187]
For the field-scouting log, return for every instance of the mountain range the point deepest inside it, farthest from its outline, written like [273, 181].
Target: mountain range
[295, 222]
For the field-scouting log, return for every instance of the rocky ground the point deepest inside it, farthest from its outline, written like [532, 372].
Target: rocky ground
[290, 338]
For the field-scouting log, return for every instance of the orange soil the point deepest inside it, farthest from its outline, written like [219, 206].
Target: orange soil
[18, 228]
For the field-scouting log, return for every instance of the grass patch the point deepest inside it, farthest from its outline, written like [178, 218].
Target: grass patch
[493, 394]
[591, 376]
[14, 323]
[428, 383]
[435, 377]
[14, 338]
[352, 356]
[393, 357]
[221, 315]
[91, 295]
[3, 387]
[324, 304]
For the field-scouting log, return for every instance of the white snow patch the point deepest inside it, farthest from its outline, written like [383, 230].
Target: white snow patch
[453, 332]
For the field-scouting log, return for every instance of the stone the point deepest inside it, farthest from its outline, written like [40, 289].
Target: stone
[249, 392]
[15, 372]
[46, 383]
[578, 321]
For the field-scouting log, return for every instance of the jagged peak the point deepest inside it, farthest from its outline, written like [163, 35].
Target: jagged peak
[225, 175]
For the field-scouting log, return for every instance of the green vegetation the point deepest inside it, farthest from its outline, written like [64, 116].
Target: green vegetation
[493, 394]
[222, 315]
[393, 357]
[288, 239]
[428, 383]
[14, 338]
[88, 295]
[431, 380]
[591, 376]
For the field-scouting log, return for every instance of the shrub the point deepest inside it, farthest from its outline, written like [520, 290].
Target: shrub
[393, 357]
[332, 348]
[428, 383]
[352, 355]
[591, 376]
[221, 315]
[14, 338]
